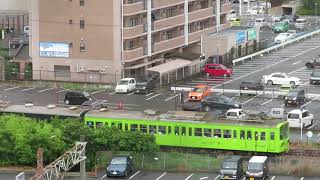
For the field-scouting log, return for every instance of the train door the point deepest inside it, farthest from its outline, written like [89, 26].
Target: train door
[250, 140]
[260, 138]
[271, 140]
[174, 133]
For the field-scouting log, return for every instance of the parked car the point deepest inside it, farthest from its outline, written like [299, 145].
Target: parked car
[235, 21]
[199, 92]
[298, 117]
[280, 78]
[247, 85]
[283, 37]
[257, 168]
[313, 63]
[77, 98]
[231, 14]
[26, 31]
[144, 87]
[260, 22]
[120, 166]
[315, 77]
[231, 168]
[217, 70]
[300, 24]
[281, 27]
[284, 89]
[126, 85]
[219, 102]
[295, 96]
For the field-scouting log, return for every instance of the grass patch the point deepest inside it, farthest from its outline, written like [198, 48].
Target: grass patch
[308, 12]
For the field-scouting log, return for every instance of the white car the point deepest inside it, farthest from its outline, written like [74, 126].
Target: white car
[260, 22]
[298, 117]
[280, 78]
[126, 85]
[256, 10]
[283, 37]
[231, 15]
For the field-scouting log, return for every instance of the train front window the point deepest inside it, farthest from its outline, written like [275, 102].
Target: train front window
[217, 133]
[162, 130]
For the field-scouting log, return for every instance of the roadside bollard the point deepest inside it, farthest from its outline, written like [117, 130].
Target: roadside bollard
[120, 105]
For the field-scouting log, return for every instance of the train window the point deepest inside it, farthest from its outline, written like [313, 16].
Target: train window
[90, 124]
[176, 130]
[263, 136]
[120, 126]
[126, 127]
[99, 124]
[169, 130]
[190, 131]
[162, 129]
[183, 131]
[226, 133]
[249, 136]
[281, 133]
[134, 127]
[217, 133]
[235, 134]
[143, 128]
[152, 129]
[256, 135]
[112, 124]
[272, 135]
[207, 132]
[242, 134]
[197, 131]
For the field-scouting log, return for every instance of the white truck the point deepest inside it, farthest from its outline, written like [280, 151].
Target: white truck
[298, 117]
[239, 114]
[126, 85]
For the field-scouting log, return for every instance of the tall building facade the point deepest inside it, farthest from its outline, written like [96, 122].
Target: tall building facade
[103, 40]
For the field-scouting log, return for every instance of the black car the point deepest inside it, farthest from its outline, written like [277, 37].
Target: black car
[77, 98]
[314, 63]
[315, 77]
[219, 102]
[120, 166]
[295, 96]
[256, 86]
[231, 168]
[144, 87]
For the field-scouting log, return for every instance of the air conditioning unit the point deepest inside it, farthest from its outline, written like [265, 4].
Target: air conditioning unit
[79, 68]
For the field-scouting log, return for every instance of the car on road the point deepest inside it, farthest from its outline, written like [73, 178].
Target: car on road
[298, 117]
[199, 92]
[217, 70]
[77, 98]
[235, 21]
[313, 63]
[120, 166]
[126, 85]
[295, 96]
[144, 87]
[315, 76]
[219, 102]
[283, 37]
[260, 22]
[257, 168]
[231, 168]
[281, 27]
[300, 24]
[280, 78]
[248, 85]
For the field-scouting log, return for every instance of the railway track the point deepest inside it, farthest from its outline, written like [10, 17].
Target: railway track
[303, 152]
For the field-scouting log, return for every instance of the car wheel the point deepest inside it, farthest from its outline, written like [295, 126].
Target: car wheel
[67, 102]
[309, 65]
[207, 108]
[13, 46]
[269, 82]
[228, 75]
[292, 83]
[286, 104]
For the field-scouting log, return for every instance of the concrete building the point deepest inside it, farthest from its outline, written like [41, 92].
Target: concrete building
[104, 40]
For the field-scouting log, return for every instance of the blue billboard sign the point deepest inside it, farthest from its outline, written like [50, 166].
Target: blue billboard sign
[240, 37]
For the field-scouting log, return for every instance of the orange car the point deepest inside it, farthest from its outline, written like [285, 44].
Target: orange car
[199, 92]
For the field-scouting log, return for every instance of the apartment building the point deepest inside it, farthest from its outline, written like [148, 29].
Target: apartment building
[104, 40]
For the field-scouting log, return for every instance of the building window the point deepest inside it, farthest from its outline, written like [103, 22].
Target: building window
[82, 24]
[169, 34]
[133, 22]
[61, 71]
[82, 47]
[204, 4]
[81, 2]
[170, 12]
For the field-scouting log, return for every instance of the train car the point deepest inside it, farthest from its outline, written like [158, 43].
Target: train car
[198, 130]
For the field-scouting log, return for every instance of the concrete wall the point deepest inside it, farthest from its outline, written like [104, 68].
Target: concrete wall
[15, 5]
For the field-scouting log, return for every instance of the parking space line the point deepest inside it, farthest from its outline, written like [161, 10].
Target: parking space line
[112, 93]
[217, 177]
[172, 97]
[134, 175]
[46, 89]
[104, 176]
[130, 93]
[11, 88]
[149, 94]
[97, 92]
[62, 90]
[186, 100]
[250, 99]
[204, 178]
[302, 178]
[273, 177]
[163, 174]
[219, 93]
[28, 89]
[233, 97]
[310, 101]
[267, 102]
[312, 125]
[153, 96]
[296, 70]
[189, 177]
[296, 62]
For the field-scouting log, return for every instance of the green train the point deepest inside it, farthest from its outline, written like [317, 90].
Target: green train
[178, 130]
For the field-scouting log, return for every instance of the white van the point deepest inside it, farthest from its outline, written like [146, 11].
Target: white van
[297, 117]
[260, 22]
[26, 31]
[300, 24]
[126, 85]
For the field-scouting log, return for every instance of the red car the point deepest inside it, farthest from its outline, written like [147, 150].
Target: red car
[217, 70]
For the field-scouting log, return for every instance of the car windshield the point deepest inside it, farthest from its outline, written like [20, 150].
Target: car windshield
[255, 166]
[123, 82]
[300, 21]
[232, 114]
[199, 90]
[292, 93]
[118, 160]
[229, 165]
[293, 116]
[279, 24]
[316, 73]
[285, 88]
[86, 94]
[222, 66]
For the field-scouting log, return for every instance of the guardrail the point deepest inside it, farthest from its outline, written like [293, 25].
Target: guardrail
[276, 47]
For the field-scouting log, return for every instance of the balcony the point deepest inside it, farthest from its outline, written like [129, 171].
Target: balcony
[169, 44]
[131, 55]
[196, 36]
[131, 32]
[201, 14]
[226, 7]
[166, 3]
[130, 9]
[169, 22]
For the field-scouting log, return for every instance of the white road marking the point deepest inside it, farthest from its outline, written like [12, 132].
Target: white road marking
[310, 101]
[46, 89]
[153, 96]
[103, 101]
[11, 88]
[112, 93]
[204, 178]
[62, 90]
[134, 175]
[302, 178]
[217, 177]
[296, 70]
[312, 125]
[172, 97]
[232, 97]
[28, 89]
[61, 101]
[130, 93]
[189, 177]
[186, 100]
[266, 102]
[251, 99]
[163, 174]
[296, 62]
[104, 176]
[149, 94]
[97, 92]
[273, 177]
[219, 93]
